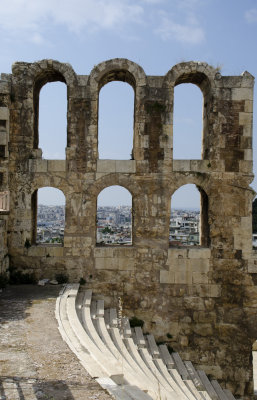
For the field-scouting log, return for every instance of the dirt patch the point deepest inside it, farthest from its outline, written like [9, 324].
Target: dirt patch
[35, 362]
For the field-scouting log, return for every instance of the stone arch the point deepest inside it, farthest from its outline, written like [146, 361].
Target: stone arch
[51, 70]
[202, 75]
[204, 228]
[194, 179]
[118, 69]
[55, 182]
[44, 72]
[198, 73]
[113, 180]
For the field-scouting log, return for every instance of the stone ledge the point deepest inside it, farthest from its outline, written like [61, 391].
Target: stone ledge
[42, 250]
[114, 251]
[189, 252]
[198, 165]
[112, 166]
[38, 165]
[118, 263]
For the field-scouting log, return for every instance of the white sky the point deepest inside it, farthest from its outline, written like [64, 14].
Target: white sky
[153, 33]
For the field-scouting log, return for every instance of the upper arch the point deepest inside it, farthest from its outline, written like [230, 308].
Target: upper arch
[44, 71]
[187, 180]
[198, 73]
[117, 69]
[112, 180]
[52, 182]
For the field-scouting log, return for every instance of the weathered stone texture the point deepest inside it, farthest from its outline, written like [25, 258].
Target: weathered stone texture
[204, 298]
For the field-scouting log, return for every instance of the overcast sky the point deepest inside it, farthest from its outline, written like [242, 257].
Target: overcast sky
[153, 33]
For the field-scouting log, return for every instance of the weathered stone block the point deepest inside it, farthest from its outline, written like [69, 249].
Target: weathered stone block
[126, 264]
[199, 277]
[242, 94]
[37, 251]
[55, 251]
[103, 252]
[199, 252]
[181, 165]
[177, 253]
[3, 138]
[107, 263]
[126, 166]
[38, 165]
[248, 106]
[56, 165]
[183, 277]
[4, 113]
[106, 166]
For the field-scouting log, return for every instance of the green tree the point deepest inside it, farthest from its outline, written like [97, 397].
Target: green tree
[107, 230]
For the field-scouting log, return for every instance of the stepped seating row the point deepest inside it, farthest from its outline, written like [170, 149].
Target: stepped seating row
[124, 361]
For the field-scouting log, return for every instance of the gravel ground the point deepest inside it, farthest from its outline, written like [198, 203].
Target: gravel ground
[35, 363]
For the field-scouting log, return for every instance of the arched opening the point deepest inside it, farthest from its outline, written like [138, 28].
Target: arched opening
[114, 216]
[116, 121]
[187, 122]
[189, 217]
[48, 216]
[52, 120]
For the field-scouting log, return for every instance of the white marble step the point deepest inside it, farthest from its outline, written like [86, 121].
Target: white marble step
[126, 330]
[71, 339]
[190, 385]
[218, 389]
[141, 380]
[158, 362]
[181, 389]
[119, 343]
[180, 382]
[152, 346]
[110, 367]
[194, 375]
[180, 366]
[133, 350]
[162, 381]
[102, 330]
[97, 336]
[139, 337]
[208, 386]
[229, 394]
[91, 330]
[167, 359]
[127, 363]
[118, 392]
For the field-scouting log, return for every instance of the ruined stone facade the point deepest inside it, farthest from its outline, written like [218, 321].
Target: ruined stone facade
[205, 297]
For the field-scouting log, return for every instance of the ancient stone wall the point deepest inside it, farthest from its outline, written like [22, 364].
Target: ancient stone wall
[203, 297]
[4, 164]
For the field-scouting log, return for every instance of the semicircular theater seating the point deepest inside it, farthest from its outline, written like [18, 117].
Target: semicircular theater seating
[124, 361]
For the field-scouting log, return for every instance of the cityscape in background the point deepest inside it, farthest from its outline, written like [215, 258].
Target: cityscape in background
[114, 225]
